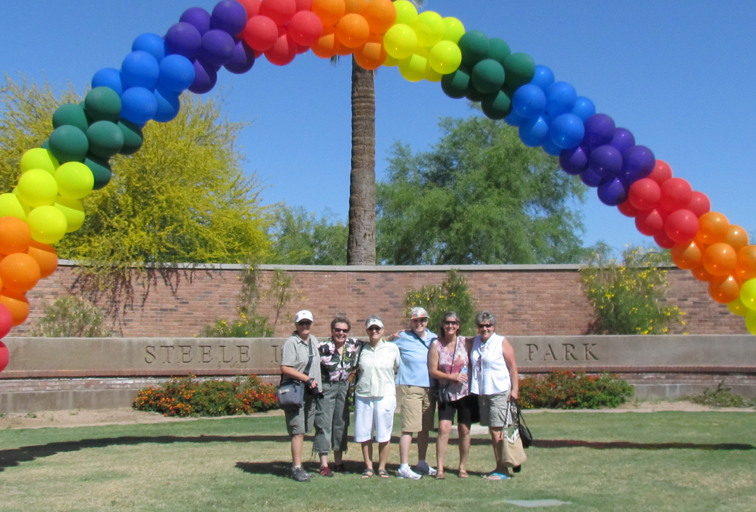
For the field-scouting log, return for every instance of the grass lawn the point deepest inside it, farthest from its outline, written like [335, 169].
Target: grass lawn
[595, 461]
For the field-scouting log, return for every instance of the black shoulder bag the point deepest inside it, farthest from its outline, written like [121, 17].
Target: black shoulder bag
[291, 393]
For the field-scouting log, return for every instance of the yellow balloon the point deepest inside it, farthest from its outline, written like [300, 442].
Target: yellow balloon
[737, 307]
[406, 12]
[751, 322]
[748, 294]
[73, 211]
[391, 62]
[445, 57]
[431, 74]
[47, 224]
[39, 158]
[75, 180]
[37, 187]
[400, 41]
[10, 206]
[430, 28]
[454, 29]
[413, 68]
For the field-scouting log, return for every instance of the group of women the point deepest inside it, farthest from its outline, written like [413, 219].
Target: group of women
[475, 378]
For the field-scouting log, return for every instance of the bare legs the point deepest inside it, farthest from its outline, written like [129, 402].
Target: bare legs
[383, 454]
[497, 441]
[405, 441]
[297, 443]
[442, 442]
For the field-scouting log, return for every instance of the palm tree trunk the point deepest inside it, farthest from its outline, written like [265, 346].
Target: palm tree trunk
[361, 244]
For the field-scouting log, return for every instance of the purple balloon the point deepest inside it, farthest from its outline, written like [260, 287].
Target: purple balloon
[591, 178]
[198, 17]
[217, 47]
[183, 39]
[605, 161]
[623, 140]
[574, 161]
[599, 130]
[612, 192]
[242, 60]
[205, 77]
[638, 162]
[229, 16]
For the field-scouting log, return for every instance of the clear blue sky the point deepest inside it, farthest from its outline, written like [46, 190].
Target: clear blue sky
[678, 74]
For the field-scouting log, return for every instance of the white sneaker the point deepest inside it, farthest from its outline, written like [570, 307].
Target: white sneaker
[424, 469]
[406, 472]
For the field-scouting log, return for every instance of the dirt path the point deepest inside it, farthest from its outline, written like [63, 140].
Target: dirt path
[127, 416]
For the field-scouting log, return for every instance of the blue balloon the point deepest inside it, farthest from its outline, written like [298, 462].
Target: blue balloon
[584, 108]
[534, 132]
[550, 148]
[514, 119]
[612, 192]
[560, 99]
[529, 101]
[140, 69]
[543, 77]
[150, 43]
[109, 77]
[567, 131]
[242, 60]
[176, 73]
[138, 105]
[168, 105]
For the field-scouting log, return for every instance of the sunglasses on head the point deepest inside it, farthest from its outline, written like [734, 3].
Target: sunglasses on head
[485, 326]
[336, 329]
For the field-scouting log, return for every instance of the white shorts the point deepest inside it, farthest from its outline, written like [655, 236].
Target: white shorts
[373, 414]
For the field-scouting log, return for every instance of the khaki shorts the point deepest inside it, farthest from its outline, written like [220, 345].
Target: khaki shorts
[418, 408]
[493, 410]
[301, 420]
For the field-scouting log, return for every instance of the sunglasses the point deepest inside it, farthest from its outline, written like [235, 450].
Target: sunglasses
[374, 328]
[451, 323]
[419, 319]
[336, 329]
[485, 326]
[304, 322]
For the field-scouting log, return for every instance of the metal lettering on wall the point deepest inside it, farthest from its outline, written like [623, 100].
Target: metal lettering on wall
[562, 352]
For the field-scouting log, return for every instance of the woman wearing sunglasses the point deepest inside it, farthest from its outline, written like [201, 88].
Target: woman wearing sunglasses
[495, 380]
[375, 396]
[448, 362]
[338, 360]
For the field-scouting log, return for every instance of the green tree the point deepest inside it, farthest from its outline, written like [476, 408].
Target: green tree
[299, 238]
[479, 196]
[451, 295]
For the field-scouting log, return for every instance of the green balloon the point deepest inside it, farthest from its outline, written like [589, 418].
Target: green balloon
[455, 84]
[474, 45]
[100, 170]
[474, 95]
[69, 144]
[132, 137]
[520, 69]
[499, 50]
[105, 139]
[72, 114]
[487, 76]
[497, 105]
[103, 104]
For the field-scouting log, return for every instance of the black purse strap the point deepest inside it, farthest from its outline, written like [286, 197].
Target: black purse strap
[309, 362]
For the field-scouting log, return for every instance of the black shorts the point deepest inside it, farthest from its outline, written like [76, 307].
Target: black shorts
[466, 409]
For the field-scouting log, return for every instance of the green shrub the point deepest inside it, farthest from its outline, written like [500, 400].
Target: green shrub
[255, 326]
[721, 397]
[451, 295]
[186, 396]
[70, 317]
[574, 390]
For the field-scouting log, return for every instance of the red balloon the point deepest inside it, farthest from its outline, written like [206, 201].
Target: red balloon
[6, 321]
[661, 173]
[260, 33]
[303, 5]
[676, 194]
[644, 194]
[663, 241]
[699, 203]
[283, 51]
[627, 209]
[4, 356]
[305, 28]
[280, 11]
[681, 226]
[651, 222]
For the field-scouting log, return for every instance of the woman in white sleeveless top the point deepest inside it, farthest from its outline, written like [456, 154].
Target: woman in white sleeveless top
[494, 379]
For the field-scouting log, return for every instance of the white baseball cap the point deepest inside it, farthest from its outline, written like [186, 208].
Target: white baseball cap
[373, 320]
[305, 314]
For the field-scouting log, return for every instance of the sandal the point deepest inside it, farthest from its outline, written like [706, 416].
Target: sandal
[496, 476]
[383, 473]
[367, 473]
[463, 473]
[440, 476]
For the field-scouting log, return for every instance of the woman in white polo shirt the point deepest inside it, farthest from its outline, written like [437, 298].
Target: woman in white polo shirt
[375, 397]
[494, 380]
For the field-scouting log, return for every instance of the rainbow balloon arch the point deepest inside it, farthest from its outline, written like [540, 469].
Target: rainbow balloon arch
[74, 161]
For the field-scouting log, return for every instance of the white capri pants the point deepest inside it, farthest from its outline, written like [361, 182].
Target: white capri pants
[373, 414]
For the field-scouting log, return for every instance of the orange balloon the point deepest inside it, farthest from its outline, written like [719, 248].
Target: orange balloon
[745, 269]
[329, 11]
[372, 54]
[380, 15]
[355, 6]
[19, 272]
[14, 235]
[17, 304]
[720, 259]
[701, 274]
[724, 289]
[686, 257]
[327, 46]
[712, 228]
[46, 257]
[737, 237]
[353, 30]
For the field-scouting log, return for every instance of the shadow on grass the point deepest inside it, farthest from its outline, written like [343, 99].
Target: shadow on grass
[13, 457]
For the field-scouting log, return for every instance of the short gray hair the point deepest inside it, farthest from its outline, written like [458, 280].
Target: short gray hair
[485, 316]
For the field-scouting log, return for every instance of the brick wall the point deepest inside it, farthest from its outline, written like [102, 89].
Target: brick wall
[528, 299]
